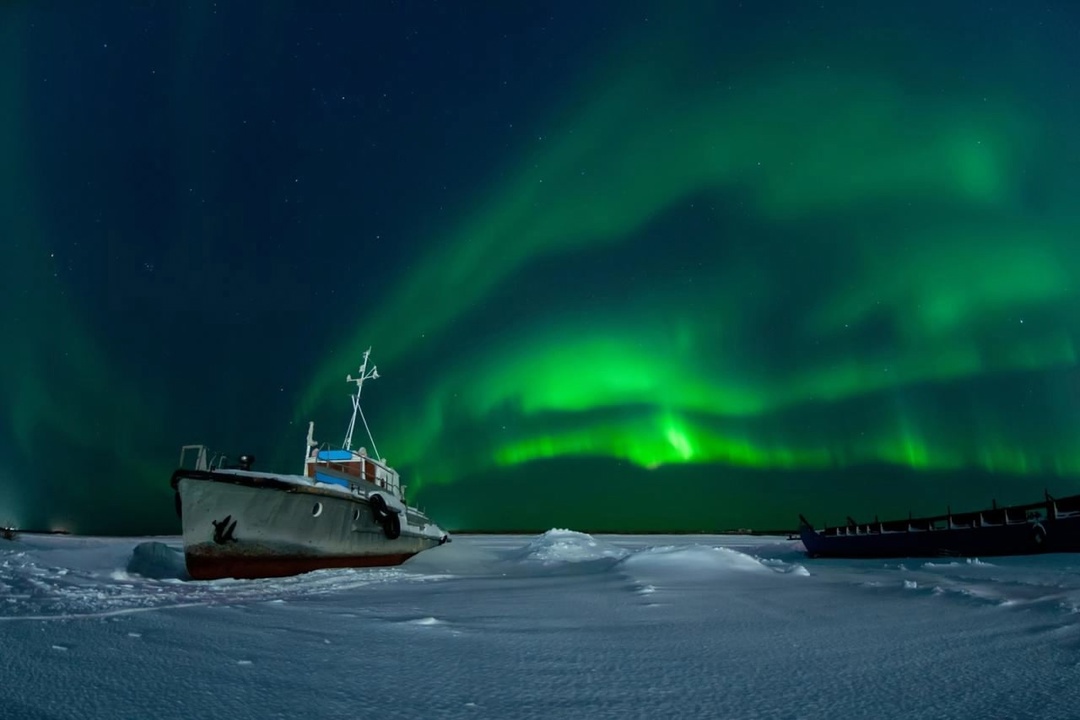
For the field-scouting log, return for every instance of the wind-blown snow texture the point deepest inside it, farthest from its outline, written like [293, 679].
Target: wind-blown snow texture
[559, 625]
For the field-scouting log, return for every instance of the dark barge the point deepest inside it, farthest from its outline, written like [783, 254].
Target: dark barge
[1049, 526]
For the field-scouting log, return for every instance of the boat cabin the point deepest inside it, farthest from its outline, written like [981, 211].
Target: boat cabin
[349, 468]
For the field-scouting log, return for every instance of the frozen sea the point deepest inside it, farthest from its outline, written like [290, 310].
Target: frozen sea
[559, 625]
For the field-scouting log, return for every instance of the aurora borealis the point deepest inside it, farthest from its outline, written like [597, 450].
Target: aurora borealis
[637, 266]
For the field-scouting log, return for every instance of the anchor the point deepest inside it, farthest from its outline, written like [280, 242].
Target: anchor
[223, 530]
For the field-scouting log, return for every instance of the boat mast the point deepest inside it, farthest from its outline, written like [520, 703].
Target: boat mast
[365, 374]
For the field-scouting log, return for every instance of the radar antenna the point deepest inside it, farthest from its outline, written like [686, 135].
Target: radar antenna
[365, 374]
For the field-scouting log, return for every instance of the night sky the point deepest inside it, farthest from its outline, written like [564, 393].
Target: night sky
[623, 265]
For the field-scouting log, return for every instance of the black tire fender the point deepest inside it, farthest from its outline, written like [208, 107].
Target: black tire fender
[379, 510]
[392, 527]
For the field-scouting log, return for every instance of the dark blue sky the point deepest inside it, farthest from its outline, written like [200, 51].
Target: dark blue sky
[769, 258]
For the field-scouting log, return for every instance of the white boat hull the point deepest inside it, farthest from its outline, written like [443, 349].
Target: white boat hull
[250, 526]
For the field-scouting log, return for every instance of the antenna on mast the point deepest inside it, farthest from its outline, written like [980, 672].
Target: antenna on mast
[365, 374]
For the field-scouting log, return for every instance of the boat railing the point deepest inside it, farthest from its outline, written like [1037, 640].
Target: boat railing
[204, 461]
[1048, 509]
[382, 476]
[200, 452]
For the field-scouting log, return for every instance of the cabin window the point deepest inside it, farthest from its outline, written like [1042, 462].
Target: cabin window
[316, 511]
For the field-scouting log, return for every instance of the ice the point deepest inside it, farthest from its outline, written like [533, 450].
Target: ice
[566, 546]
[116, 577]
[558, 625]
[976, 562]
[693, 560]
[158, 561]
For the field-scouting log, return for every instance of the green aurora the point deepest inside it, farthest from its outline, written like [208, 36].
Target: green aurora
[913, 205]
[65, 403]
[818, 260]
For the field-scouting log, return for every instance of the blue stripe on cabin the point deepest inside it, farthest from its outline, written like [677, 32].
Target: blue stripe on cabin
[324, 478]
[335, 455]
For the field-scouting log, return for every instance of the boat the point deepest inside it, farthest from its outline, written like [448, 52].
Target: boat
[1049, 526]
[346, 509]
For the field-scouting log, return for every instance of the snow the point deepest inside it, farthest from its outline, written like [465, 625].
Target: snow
[559, 625]
[566, 546]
